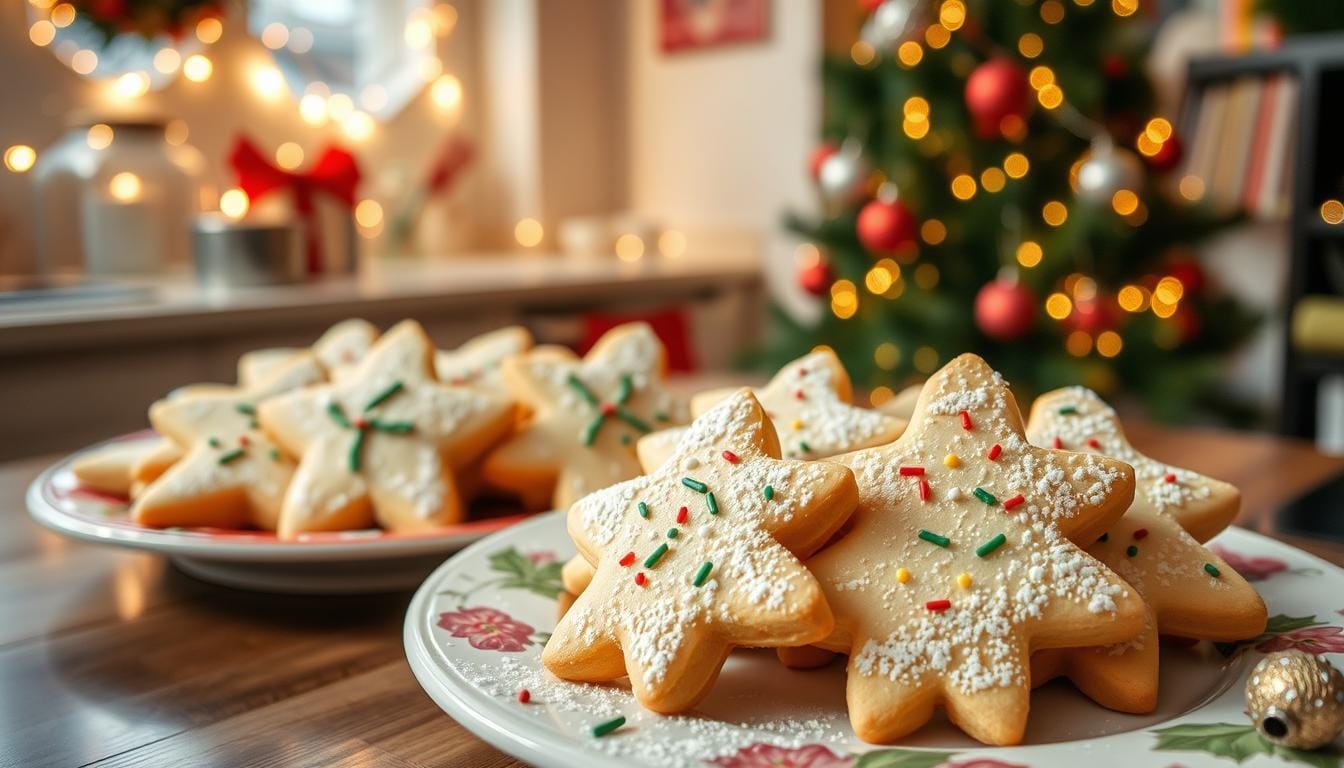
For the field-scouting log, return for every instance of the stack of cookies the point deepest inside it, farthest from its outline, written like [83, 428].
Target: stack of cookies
[956, 565]
[365, 430]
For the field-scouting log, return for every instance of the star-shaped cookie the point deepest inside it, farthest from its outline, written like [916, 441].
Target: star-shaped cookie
[111, 467]
[230, 475]
[699, 557]
[1190, 592]
[808, 401]
[477, 361]
[382, 443]
[586, 416]
[1076, 419]
[958, 563]
[338, 349]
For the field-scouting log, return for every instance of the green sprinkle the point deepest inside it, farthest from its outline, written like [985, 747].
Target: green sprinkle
[703, 574]
[394, 427]
[274, 453]
[590, 432]
[246, 409]
[991, 545]
[671, 533]
[356, 451]
[769, 492]
[633, 420]
[337, 415]
[655, 556]
[694, 485]
[624, 393]
[214, 442]
[803, 444]
[236, 453]
[661, 416]
[1131, 550]
[934, 538]
[391, 390]
[625, 439]
[578, 386]
[1067, 410]
[1212, 570]
[1103, 537]
[713, 503]
[253, 424]
[644, 510]
[985, 496]
[602, 729]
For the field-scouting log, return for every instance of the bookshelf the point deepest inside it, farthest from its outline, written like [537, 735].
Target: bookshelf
[1316, 64]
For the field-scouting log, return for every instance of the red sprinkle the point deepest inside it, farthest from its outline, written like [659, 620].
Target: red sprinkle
[798, 394]
[966, 421]
[242, 440]
[907, 471]
[1058, 443]
[640, 578]
[1093, 443]
[994, 452]
[1013, 502]
[628, 559]
[361, 423]
[524, 696]
[681, 514]
[1141, 534]
[731, 457]
[938, 606]
[608, 409]
[1171, 477]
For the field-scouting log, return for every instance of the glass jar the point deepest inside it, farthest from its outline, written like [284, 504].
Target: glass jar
[116, 198]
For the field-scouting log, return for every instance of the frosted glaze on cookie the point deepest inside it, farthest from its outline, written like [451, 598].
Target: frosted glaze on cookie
[587, 415]
[477, 361]
[381, 445]
[1082, 421]
[808, 402]
[939, 597]
[698, 557]
[338, 349]
[230, 475]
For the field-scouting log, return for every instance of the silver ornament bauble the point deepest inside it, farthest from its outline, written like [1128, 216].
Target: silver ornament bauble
[1106, 170]
[844, 175]
[1296, 699]
[890, 24]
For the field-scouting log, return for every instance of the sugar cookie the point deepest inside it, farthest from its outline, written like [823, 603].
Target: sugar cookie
[586, 415]
[109, 468]
[958, 563]
[338, 349]
[230, 475]
[902, 406]
[477, 361]
[382, 444]
[1075, 419]
[699, 557]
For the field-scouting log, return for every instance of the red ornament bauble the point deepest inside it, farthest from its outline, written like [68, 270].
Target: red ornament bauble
[1092, 316]
[819, 156]
[886, 226]
[1168, 155]
[1005, 310]
[815, 277]
[996, 89]
[1114, 66]
[1191, 275]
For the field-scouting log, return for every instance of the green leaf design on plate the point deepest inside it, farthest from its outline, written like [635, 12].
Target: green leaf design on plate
[542, 580]
[902, 758]
[1277, 625]
[1236, 742]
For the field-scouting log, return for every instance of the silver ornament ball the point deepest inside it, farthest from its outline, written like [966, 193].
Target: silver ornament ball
[1296, 699]
[890, 24]
[1106, 170]
[843, 176]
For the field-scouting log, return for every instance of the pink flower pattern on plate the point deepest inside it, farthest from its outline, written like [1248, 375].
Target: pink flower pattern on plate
[771, 756]
[1251, 567]
[1316, 640]
[488, 629]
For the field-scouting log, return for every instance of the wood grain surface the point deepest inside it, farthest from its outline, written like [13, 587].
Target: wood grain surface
[113, 658]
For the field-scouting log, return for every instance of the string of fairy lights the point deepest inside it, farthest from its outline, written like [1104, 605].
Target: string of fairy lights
[886, 278]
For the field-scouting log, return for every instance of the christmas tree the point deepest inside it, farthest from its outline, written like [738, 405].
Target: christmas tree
[993, 178]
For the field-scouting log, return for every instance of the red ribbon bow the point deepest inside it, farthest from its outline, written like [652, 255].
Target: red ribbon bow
[336, 173]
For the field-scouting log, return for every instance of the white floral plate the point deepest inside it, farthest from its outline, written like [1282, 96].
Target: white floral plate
[475, 629]
[337, 562]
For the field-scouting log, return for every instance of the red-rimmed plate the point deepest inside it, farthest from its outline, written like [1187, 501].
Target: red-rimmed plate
[370, 560]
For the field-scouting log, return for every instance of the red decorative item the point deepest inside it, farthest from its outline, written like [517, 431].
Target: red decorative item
[868, 6]
[1092, 316]
[1114, 66]
[886, 227]
[1005, 310]
[1191, 275]
[690, 24]
[671, 326]
[1168, 156]
[816, 277]
[819, 156]
[335, 174]
[996, 89]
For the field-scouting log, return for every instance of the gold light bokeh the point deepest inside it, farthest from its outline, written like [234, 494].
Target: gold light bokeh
[1058, 306]
[1029, 254]
[933, 231]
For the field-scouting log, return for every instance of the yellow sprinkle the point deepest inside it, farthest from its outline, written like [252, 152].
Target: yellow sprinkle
[951, 460]
[964, 581]
[902, 575]
[797, 424]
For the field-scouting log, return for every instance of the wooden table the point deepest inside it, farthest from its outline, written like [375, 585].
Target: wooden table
[113, 658]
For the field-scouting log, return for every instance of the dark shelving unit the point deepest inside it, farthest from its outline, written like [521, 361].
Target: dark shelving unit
[1317, 63]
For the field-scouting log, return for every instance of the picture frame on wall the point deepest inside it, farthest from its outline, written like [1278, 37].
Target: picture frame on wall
[690, 25]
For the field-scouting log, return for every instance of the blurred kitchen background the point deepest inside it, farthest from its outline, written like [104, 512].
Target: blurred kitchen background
[1140, 196]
